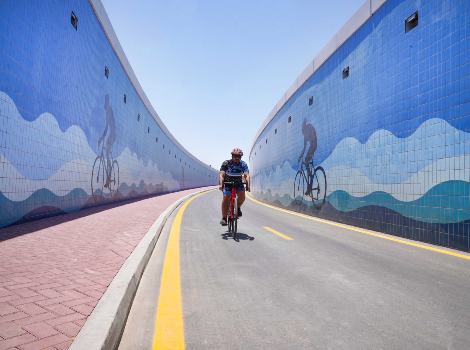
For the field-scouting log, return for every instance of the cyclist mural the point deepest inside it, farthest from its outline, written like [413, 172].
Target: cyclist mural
[109, 135]
[54, 140]
[105, 173]
[396, 162]
[309, 178]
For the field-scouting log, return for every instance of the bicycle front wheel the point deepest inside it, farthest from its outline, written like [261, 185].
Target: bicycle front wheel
[235, 218]
[300, 184]
[319, 187]
[97, 179]
[114, 180]
[229, 218]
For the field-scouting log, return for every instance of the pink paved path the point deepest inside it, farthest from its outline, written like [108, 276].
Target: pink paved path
[54, 271]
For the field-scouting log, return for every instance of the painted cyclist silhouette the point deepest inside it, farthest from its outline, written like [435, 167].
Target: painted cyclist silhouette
[310, 181]
[105, 173]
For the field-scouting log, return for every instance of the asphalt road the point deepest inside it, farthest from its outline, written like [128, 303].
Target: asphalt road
[327, 288]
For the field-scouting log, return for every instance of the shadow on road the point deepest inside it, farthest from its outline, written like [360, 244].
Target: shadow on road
[240, 236]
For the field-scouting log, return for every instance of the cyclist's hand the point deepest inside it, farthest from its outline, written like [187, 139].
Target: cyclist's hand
[248, 189]
[221, 188]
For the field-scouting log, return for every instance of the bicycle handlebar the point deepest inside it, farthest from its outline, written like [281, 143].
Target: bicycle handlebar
[235, 183]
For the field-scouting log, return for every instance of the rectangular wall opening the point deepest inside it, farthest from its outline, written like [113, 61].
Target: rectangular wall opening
[411, 22]
[74, 20]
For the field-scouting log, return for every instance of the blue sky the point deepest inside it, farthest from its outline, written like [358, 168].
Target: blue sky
[213, 70]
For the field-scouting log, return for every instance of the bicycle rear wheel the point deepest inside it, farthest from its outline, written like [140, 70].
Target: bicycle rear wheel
[114, 180]
[229, 217]
[319, 187]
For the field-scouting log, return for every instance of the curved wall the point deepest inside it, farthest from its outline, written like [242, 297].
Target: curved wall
[393, 138]
[70, 135]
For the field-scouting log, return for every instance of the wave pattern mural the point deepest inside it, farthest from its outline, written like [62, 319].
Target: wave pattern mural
[74, 131]
[393, 138]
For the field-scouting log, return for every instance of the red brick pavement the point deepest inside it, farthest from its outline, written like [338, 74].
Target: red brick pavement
[54, 271]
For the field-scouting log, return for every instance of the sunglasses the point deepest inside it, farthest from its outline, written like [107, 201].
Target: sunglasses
[237, 157]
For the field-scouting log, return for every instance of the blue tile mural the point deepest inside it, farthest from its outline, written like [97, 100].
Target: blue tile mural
[70, 135]
[387, 148]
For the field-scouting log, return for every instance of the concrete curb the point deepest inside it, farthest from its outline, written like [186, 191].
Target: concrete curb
[104, 326]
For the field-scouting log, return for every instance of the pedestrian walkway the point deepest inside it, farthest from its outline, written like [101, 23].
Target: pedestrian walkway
[54, 271]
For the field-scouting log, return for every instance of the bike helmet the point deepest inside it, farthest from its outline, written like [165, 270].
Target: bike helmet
[237, 152]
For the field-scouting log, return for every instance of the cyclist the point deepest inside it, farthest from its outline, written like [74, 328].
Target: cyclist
[234, 167]
[109, 136]
[310, 136]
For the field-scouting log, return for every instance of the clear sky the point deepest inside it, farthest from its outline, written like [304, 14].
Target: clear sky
[213, 70]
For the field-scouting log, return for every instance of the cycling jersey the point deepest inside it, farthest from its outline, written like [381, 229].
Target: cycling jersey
[232, 169]
[232, 173]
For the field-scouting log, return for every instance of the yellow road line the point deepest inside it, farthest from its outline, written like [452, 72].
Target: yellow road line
[169, 327]
[282, 235]
[364, 231]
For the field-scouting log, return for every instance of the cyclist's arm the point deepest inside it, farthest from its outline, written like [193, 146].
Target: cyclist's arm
[221, 179]
[247, 180]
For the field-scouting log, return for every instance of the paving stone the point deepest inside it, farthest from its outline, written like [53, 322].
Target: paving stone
[4, 292]
[10, 330]
[7, 298]
[64, 346]
[40, 329]
[23, 301]
[50, 293]
[34, 319]
[79, 301]
[16, 341]
[44, 342]
[64, 319]
[59, 309]
[70, 329]
[13, 317]
[26, 292]
[6, 309]
[84, 309]
[31, 309]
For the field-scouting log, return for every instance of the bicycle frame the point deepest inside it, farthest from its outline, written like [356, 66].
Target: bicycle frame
[103, 173]
[232, 215]
[316, 176]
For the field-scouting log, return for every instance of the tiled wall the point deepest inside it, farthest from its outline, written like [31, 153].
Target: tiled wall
[393, 138]
[57, 104]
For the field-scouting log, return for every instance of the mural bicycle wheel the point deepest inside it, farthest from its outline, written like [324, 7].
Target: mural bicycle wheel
[114, 180]
[318, 193]
[98, 178]
[300, 184]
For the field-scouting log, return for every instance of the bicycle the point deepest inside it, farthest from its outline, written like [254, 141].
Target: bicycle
[98, 179]
[318, 180]
[232, 214]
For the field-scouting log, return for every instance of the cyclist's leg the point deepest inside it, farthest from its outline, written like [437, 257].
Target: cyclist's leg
[224, 207]
[241, 199]
[108, 165]
[308, 164]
